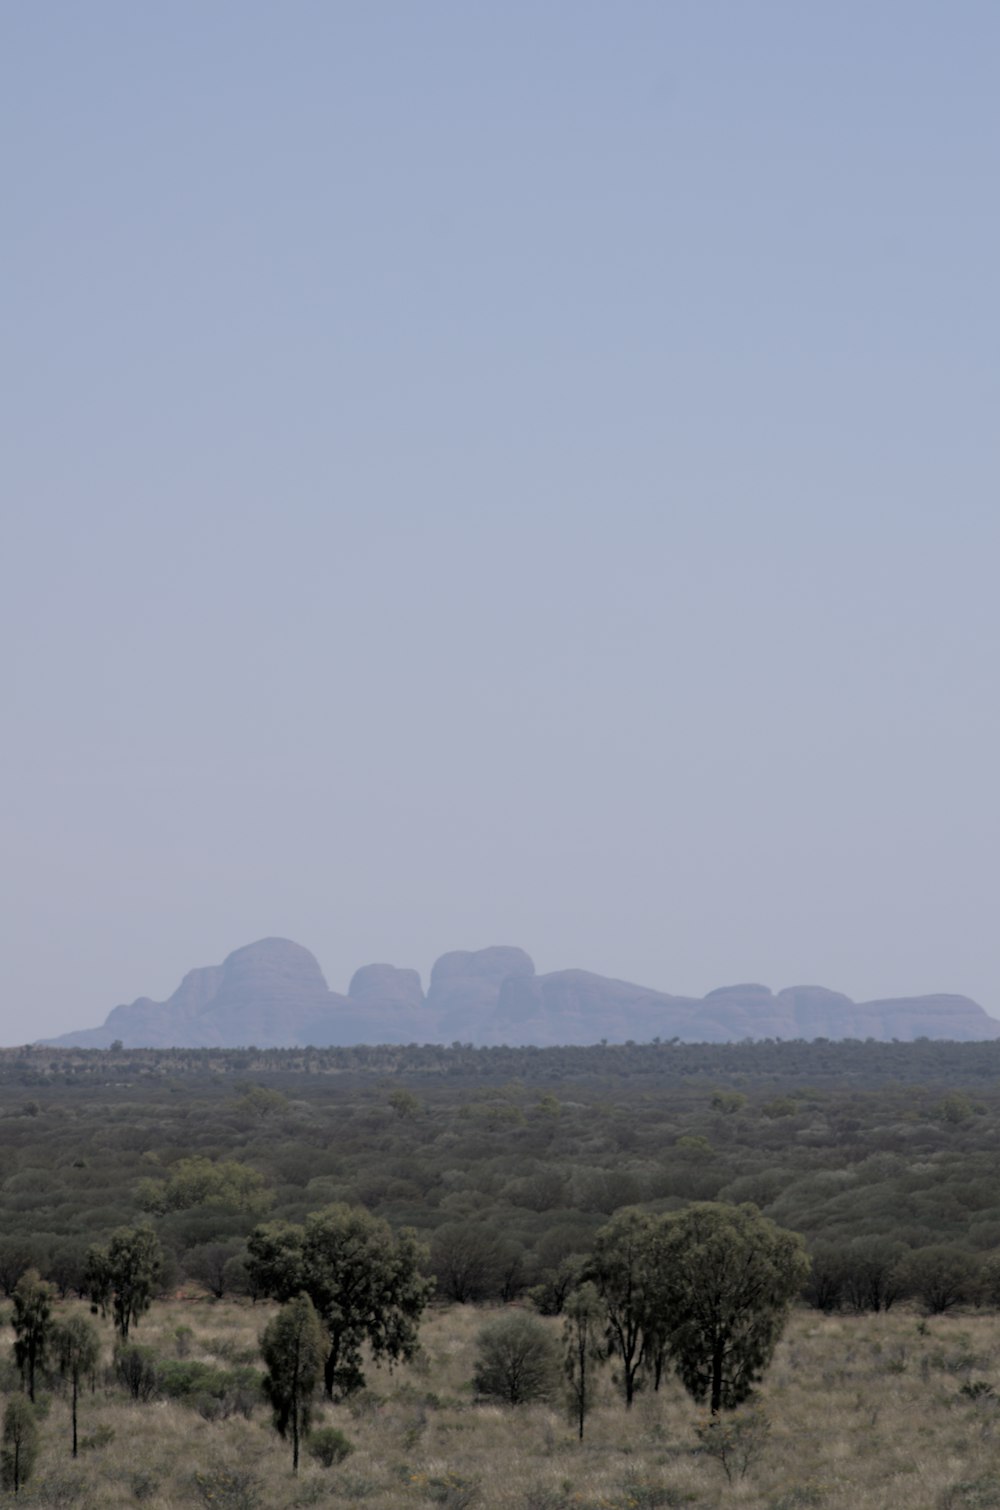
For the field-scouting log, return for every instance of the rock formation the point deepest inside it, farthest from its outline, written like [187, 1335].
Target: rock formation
[273, 993]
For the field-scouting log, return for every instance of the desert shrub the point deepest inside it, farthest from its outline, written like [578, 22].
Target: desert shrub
[101, 1436]
[184, 1379]
[134, 1368]
[801, 1497]
[736, 1442]
[647, 1494]
[517, 1360]
[208, 1263]
[971, 1494]
[144, 1485]
[20, 1443]
[183, 1337]
[229, 1489]
[328, 1445]
[464, 1261]
[825, 1284]
[940, 1276]
[454, 1491]
[873, 1275]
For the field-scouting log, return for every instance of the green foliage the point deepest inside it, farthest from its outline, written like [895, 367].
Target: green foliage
[623, 1268]
[20, 1443]
[32, 1323]
[216, 1393]
[363, 1280]
[101, 1436]
[988, 1282]
[328, 1445]
[955, 1108]
[941, 1277]
[405, 1104]
[229, 1488]
[293, 1348]
[144, 1485]
[259, 1101]
[200, 1182]
[736, 1442]
[455, 1491]
[725, 1279]
[871, 1157]
[77, 1348]
[134, 1368]
[464, 1261]
[583, 1336]
[125, 1275]
[517, 1360]
[212, 1265]
[874, 1278]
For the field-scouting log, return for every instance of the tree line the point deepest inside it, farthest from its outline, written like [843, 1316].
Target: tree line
[706, 1291]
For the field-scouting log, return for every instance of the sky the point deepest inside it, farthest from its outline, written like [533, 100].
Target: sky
[482, 473]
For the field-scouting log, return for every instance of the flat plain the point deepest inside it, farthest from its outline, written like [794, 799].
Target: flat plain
[884, 1412]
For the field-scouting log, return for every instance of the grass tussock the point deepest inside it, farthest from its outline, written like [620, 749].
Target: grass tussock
[856, 1413]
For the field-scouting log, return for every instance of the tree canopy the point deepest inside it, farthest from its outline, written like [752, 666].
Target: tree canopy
[124, 1275]
[293, 1347]
[363, 1280]
[728, 1277]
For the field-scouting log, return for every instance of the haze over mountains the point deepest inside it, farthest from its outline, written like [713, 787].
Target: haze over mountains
[273, 993]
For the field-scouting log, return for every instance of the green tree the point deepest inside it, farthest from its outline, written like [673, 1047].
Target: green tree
[623, 1269]
[941, 1276]
[873, 1273]
[727, 1279]
[32, 1323]
[20, 1443]
[200, 1182]
[988, 1286]
[124, 1275]
[464, 1261]
[76, 1346]
[293, 1347]
[363, 1280]
[583, 1336]
[517, 1359]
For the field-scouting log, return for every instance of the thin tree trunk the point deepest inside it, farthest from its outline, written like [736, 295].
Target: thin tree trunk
[74, 1412]
[717, 1378]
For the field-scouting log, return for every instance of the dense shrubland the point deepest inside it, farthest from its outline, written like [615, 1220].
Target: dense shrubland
[506, 1162]
[257, 1181]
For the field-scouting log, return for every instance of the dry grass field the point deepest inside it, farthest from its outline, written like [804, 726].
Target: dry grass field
[865, 1413]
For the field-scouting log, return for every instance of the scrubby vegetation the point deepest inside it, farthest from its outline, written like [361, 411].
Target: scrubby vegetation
[505, 1161]
[504, 1180]
[855, 1413]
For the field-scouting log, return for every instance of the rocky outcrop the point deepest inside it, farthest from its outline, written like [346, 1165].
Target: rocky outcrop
[268, 993]
[465, 988]
[273, 993]
[574, 1006]
[385, 986]
[385, 1005]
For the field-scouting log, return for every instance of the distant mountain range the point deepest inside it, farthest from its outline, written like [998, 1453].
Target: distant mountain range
[272, 993]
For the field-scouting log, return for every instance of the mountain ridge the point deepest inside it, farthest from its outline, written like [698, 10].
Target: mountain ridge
[272, 993]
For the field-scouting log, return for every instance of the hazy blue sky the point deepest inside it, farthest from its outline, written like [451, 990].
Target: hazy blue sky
[500, 473]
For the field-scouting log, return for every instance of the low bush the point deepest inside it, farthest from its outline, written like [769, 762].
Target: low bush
[328, 1445]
